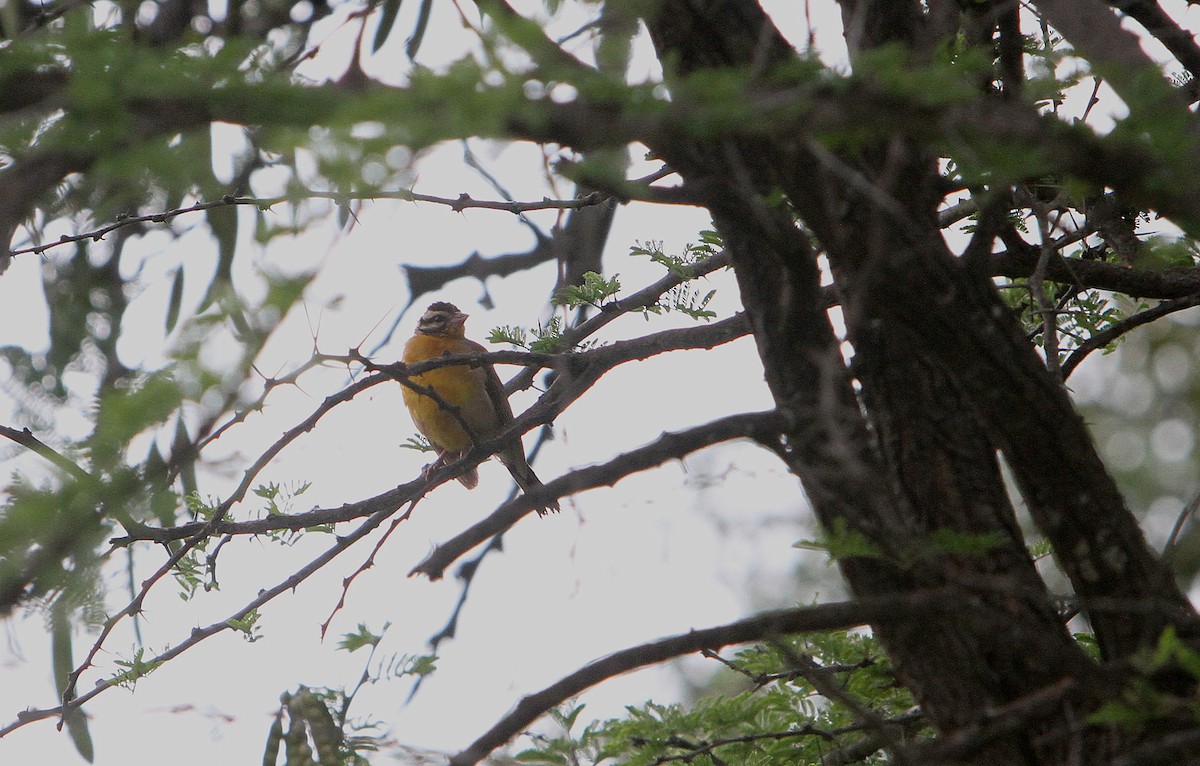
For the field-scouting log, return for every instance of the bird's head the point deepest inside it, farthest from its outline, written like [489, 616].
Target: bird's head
[442, 319]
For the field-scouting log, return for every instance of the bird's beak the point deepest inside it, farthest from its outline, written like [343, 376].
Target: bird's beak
[459, 319]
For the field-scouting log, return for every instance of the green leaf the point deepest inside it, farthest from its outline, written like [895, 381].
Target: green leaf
[960, 543]
[593, 292]
[541, 756]
[419, 443]
[387, 20]
[77, 727]
[510, 334]
[414, 43]
[135, 669]
[175, 301]
[247, 625]
[124, 413]
[352, 642]
[60, 646]
[842, 542]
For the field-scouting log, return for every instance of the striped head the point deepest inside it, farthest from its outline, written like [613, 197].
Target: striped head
[442, 319]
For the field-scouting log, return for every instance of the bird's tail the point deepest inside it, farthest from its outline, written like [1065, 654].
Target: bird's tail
[469, 479]
[526, 479]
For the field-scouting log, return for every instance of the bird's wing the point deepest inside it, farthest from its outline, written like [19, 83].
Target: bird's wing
[495, 389]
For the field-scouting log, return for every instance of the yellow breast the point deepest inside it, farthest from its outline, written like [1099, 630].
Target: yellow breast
[463, 388]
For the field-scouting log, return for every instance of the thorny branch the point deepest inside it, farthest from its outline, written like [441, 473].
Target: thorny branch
[205, 530]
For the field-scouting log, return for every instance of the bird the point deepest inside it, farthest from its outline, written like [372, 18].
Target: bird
[470, 395]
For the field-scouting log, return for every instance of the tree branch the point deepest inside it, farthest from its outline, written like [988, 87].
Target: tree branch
[26, 439]
[578, 371]
[835, 616]
[1174, 38]
[1112, 333]
[1175, 282]
[458, 204]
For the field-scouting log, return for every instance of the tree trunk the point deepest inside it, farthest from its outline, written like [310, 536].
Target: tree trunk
[903, 474]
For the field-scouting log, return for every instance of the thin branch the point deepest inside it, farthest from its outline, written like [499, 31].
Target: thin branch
[26, 439]
[1117, 329]
[469, 569]
[1187, 513]
[1037, 289]
[1175, 282]
[198, 533]
[850, 753]
[457, 204]
[1167, 31]
[473, 162]
[834, 616]
[695, 750]
[370, 562]
[853, 752]
[827, 686]
[762, 679]
[644, 298]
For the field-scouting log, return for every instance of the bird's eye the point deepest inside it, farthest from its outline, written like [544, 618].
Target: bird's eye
[434, 322]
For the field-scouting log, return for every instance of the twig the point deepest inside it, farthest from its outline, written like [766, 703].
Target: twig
[707, 748]
[638, 301]
[1037, 289]
[585, 368]
[370, 562]
[762, 679]
[827, 686]
[468, 569]
[203, 531]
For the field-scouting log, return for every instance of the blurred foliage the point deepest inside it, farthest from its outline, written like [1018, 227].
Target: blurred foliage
[1143, 405]
[320, 729]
